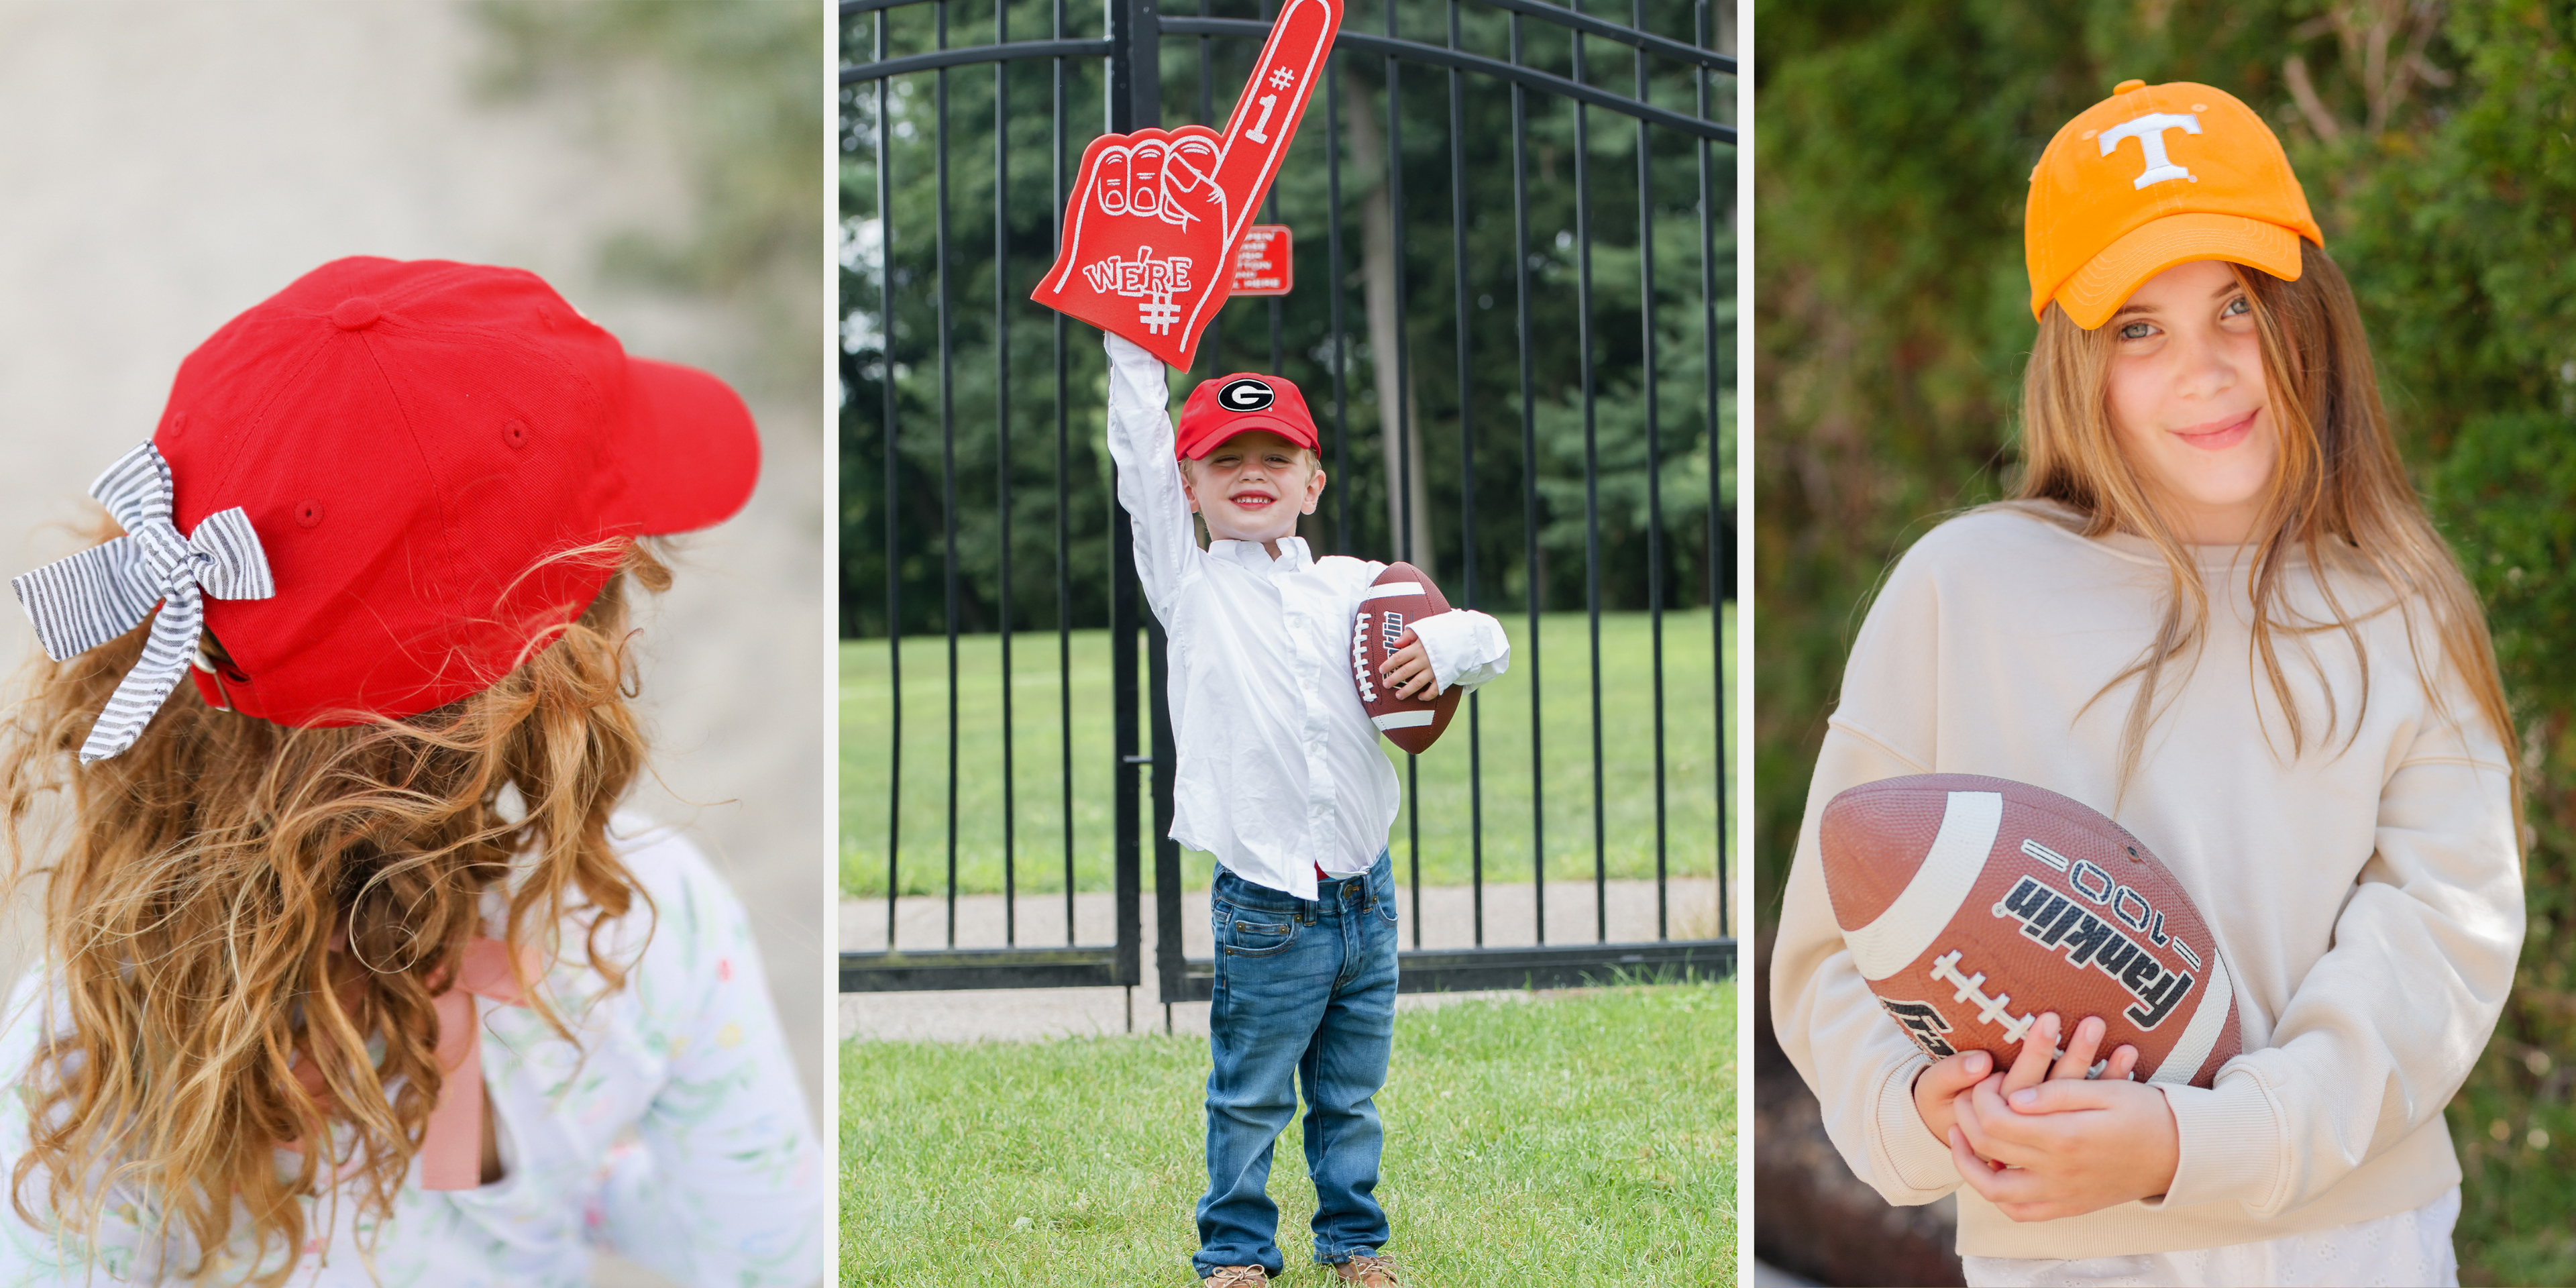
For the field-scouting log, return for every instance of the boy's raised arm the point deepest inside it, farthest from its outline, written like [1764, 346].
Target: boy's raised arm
[1149, 477]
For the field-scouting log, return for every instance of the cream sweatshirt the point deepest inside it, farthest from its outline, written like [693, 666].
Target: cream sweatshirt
[2367, 893]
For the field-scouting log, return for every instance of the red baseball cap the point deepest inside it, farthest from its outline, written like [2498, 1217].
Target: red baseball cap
[1226, 406]
[413, 442]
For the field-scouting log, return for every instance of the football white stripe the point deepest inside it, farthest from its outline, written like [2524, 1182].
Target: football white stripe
[1392, 589]
[1402, 720]
[2208, 1020]
[1899, 935]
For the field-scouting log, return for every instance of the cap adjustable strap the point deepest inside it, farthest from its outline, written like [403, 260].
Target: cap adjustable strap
[451, 1148]
[451, 1145]
[92, 597]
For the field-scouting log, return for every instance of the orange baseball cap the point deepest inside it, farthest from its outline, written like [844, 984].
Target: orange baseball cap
[2151, 177]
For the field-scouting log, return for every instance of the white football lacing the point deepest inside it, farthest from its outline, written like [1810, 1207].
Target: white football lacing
[1359, 658]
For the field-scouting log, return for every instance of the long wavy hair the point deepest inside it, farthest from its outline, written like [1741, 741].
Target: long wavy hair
[2339, 497]
[231, 898]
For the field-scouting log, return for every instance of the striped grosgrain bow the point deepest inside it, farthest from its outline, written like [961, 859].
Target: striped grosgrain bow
[92, 597]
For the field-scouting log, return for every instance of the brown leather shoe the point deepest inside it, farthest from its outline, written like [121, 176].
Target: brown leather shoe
[1368, 1268]
[1239, 1277]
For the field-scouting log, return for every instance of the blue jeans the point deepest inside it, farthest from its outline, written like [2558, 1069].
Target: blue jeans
[1305, 990]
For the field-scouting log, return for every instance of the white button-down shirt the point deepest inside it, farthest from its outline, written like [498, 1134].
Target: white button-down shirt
[1280, 770]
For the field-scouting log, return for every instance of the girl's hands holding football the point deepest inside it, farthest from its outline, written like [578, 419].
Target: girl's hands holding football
[2043, 1141]
[1945, 1081]
[1948, 1079]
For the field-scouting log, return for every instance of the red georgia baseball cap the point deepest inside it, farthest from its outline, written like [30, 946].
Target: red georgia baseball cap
[413, 442]
[1221, 408]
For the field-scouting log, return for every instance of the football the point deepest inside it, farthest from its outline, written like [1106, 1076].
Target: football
[1400, 597]
[1973, 904]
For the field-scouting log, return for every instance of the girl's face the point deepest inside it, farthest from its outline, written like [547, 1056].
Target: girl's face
[2188, 405]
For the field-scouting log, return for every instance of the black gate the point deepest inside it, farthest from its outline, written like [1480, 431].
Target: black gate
[901, 316]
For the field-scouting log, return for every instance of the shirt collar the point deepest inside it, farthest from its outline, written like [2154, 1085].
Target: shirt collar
[1292, 554]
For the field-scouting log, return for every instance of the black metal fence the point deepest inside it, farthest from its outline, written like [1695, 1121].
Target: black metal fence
[1634, 408]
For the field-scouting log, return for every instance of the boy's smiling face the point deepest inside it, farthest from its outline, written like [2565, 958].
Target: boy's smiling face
[1252, 487]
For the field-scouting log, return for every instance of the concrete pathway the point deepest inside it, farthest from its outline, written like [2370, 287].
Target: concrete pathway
[1028, 1014]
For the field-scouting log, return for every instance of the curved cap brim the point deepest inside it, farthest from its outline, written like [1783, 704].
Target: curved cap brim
[2106, 281]
[691, 452]
[1214, 436]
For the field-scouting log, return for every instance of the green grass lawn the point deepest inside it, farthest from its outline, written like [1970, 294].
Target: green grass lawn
[1038, 803]
[1581, 1139]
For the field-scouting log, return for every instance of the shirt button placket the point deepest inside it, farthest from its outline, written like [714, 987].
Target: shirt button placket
[1312, 737]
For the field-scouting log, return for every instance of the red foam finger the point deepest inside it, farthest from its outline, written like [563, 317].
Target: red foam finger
[1266, 116]
[1142, 242]
[1155, 215]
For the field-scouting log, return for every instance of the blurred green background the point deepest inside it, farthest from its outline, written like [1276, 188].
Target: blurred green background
[1895, 144]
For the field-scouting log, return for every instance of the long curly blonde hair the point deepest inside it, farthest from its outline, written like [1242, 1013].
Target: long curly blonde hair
[231, 898]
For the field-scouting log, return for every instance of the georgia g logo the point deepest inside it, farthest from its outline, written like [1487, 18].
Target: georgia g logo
[1246, 394]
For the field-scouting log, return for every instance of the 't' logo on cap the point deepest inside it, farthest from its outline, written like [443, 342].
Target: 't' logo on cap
[1247, 394]
[2149, 131]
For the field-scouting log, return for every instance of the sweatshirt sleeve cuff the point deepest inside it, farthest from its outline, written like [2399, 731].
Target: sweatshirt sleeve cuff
[2231, 1144]
[1913, 1159]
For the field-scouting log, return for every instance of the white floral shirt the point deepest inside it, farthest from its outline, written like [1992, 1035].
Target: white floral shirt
[673, 1133]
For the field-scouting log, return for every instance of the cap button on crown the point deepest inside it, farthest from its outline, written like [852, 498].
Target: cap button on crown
[356, 313]
[2127, 85]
